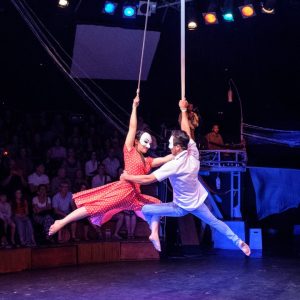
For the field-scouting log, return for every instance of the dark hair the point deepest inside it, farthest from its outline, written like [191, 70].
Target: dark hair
[139, 133]
[181, 138]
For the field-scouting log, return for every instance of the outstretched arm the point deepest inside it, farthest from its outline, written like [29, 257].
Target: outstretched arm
[183, 104]
[158, 161]
[129, 142]
[140, 179]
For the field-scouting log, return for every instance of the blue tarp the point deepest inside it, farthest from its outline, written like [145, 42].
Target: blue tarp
[276, 190]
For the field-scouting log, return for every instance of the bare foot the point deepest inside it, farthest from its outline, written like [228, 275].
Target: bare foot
[56, 226]
[154, 239]
[245, 248]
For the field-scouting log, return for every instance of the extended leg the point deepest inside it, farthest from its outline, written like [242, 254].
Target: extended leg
[75, 215]
[153, 212]
[205, 214]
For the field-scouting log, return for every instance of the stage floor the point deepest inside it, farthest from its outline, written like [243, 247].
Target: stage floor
[215, 275]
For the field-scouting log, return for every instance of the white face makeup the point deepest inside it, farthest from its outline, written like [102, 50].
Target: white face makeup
[171, 142]
[145, 140]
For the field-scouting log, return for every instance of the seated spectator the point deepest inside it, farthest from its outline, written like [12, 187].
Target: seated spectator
[63, 204]
[56, 155]
[78, 181]
[22, 220]
[91, 166]
[14, 178]
[112, 164]
[214, 139]
[37, 178]
[6, 216]
[58, 179]
[24, 162]
[71, 164]
[42, 211]
[130, 221]
[101, 178]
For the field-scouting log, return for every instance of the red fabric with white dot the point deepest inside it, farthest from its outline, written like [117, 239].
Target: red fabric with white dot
[105, 201]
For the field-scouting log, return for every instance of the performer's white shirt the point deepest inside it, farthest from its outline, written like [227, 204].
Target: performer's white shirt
[182, 171]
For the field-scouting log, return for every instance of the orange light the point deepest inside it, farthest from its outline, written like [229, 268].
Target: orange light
[210, 18]
[247, 11]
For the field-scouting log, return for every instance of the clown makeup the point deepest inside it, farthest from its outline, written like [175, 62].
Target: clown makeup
[145, 140]
[171, 142]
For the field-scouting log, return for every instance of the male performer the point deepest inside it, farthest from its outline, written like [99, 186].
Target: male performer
[188, 193]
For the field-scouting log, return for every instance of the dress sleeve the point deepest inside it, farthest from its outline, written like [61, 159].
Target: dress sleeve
[149, 161]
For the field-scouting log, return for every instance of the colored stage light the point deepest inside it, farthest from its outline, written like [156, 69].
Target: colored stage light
[129, 11]
[247, 11]
[228, 17]
[268, 7]
[192, 25]
[63, 3]
[109, 7]
[210, 18]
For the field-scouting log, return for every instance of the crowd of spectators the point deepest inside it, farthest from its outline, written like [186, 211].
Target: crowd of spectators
[44, 158]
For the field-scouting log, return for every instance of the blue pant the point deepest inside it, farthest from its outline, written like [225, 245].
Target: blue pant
[170, 209]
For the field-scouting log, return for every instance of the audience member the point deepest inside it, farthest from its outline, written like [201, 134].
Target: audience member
[63, 204]
[22, 220]
[71, 164]
[111, 164]
[6, 216]
[214, 139]
[91, 166]
[101, 178]
[38, 177]
[58, 179]
[42, 211]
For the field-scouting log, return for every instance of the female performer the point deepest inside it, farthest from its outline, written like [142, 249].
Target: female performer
[101, 203]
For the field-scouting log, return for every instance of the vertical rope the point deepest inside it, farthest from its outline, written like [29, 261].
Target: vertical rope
[143, 49]
[182, 42]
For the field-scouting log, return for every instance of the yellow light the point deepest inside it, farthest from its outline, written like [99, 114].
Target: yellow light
[192, 25]
[247, 11]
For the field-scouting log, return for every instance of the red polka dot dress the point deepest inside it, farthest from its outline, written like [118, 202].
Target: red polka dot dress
[105, 201]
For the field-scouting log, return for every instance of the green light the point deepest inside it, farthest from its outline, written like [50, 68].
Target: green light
[228, 17]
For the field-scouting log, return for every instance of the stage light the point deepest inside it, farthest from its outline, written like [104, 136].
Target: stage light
[63, 3]
[247, 11]
[228, 17]
[268, 7]
[192, 25]
[210, 18]
[227, 11]
[109, 7]
[129, 11]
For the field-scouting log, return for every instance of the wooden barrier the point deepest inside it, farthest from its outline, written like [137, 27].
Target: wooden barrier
[53, 256]
[98, 252]
[138, 251]
[14, 260]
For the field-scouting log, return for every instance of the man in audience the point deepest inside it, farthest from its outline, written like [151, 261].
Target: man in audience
[111, 164]
[62, 204]
[38, 177]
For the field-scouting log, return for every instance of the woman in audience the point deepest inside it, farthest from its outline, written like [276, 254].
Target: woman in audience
[22, 220]
[42, 210]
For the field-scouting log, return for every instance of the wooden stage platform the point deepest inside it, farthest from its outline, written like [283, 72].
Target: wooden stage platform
[15, 260]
